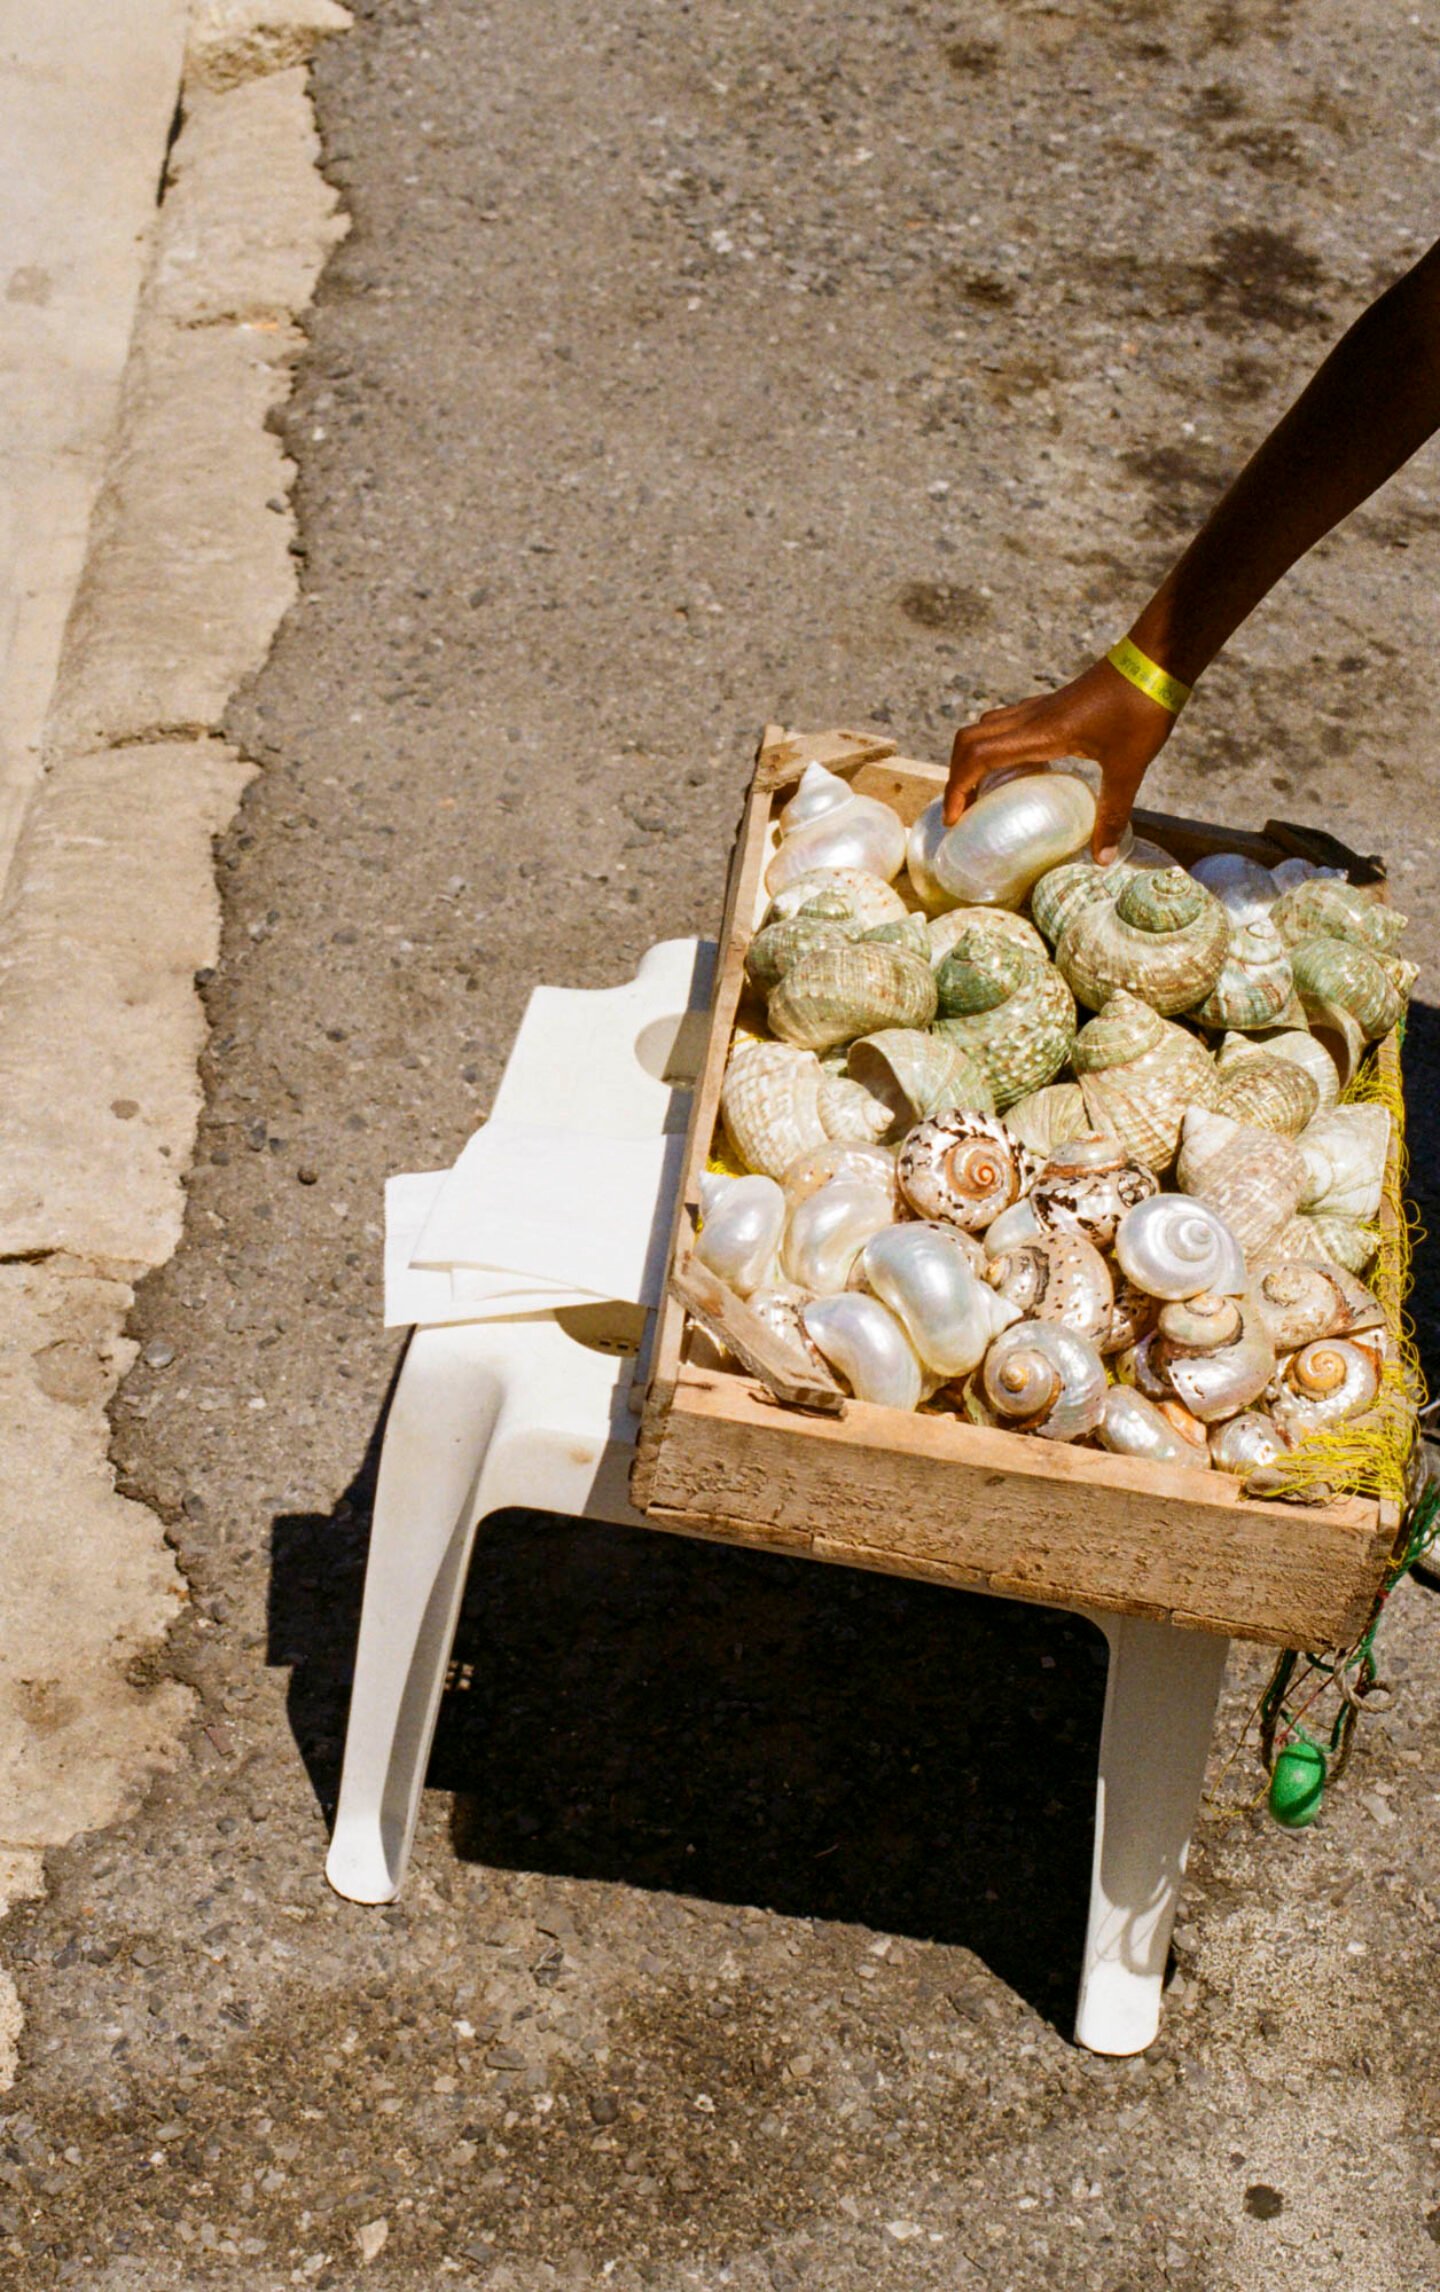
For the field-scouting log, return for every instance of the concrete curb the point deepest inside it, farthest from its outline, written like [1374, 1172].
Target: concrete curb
[112, 908]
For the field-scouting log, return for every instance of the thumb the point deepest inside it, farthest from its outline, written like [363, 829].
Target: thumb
[1112, 815]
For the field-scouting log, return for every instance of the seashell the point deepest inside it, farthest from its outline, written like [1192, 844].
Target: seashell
[1348, 1242]
[1011, 836]
[1039, 1377]
[1138, 1365]
[861, 1338]
[1132, 1426]
[1255, 983]
[1189, 1428]
[848, 1110]
[743, 1219]
[1345, 1153]
[1047, 1118]
[1215, 1353]
[1289, 872]
[777, 1102]
[774, 949]
[999, 922]
[1332, 975]
[1297, 1045]
[825, 824]
[834, 994]
[1339, 1035]
[963, 1169]
[1322, 908]
[926, 832]
[850, 1158]
[914, 1073]
[1087, 1186]
[926, 1276]
[1251, 1178]
[1057, 1277]
[1012, 1229]
[849, 895]
[1173, 1247]
[910, 932]
[1138, 1073]
[1245, 889]
[1323, 1384]
[827, 1231]
[1246, 1443]
[781, 1308]
[1061, 892]
[1010, 1011]
[1133, 1314]
[1401, 974]
[1163, 939]
[1299, 1300]
[1269, 1093]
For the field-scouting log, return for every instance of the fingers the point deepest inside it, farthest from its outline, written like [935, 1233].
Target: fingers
[1118, 790]
[1006, 736]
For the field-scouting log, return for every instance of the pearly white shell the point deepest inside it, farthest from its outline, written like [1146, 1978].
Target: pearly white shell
[1216, 1355]
[863, 1340]
[743, 1219]
[1012, 1228]
[1174, 1247]
[1011, 836]
[923, 1272]
[1133, 1426]
[1246, 890]
[827, 1231]
[825, 824]
[1324, 1383]
[1246, 1443]
[1058, 1277]
[1039, 1377]
[1344, 1153]
[872, 1165]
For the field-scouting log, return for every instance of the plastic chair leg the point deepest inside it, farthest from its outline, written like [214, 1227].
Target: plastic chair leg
[1160, 1699]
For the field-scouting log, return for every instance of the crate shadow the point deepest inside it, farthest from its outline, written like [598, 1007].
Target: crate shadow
[1422, 1122]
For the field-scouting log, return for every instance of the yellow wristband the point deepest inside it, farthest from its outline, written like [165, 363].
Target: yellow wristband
[1148, 677]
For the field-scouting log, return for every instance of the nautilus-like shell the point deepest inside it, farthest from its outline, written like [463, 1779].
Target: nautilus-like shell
[1332, 975]
[825, 824]
[1325, 909]
[1163, 939]
[1299, 1300]
[915, 1072]
[1216, 1354]
[1345, 1152]
[1246, 1443]
[923, 1272]
[962, 1169]
[1087, 1186]
[1270, 1093]
[1323, 1383]
[1255, 982]
[1251, 1178]
[827, 1231]
[998, 922]
[1246, 890]
[861, 1339]
[742, 1221]
[781, 1307]
[926, 832]
[1138, 1073]
[859, 1159]
[1173, 1247]
[777, 946]
[1012, 1229]
[1040, 1377]
[1348, 1242]
[1300, 1048]
[1011, 1012]
[1011, 835]
[834, 994]
[845, 894]
[1133, 1426]
[1057, 1277]
[1050, 1117]
[777, 1102]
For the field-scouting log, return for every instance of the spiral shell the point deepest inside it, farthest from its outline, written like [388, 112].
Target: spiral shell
[1050, 1117]
[923, 1272]
[1133, 1314]
[825, 824]
[926, 833]
[909, 932]
[777, 946]
[834, 994]
[1087, 1187]
[861, 1339]
[1041, 1378]
[858, 1159]
[1139, 1365]
[1296, 1045]
[1299, 1300]
[1061, 892]
[1012, 1229]
[1347, 1242]
[1246, 1443]
[1332, 975]
[915, 1073]
[826, 1232]
[1323, 1384]
[1132, 1426]
[842, 894]
[742, 1221]
[781, 1308]
[1010, 1012]
[1138, 1073]
[1057, 1277]
[1345, 1153]
[1325, 909]
[1164, 939]
[777, 1102]
[1216, 1355]
[849, 1111]
[1172, 1247]
[1011, 835]
[1251, 1178]
[1269, 1093]
[962, 1169]
[994, 922]
[1246, 890]
[1255, 983]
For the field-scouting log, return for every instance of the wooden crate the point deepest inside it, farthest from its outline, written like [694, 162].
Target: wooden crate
[936, 1497]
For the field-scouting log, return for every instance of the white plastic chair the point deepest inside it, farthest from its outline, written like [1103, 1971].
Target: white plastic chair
[532, 1410]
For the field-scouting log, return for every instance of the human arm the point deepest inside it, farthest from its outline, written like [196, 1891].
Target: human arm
[1371, 405]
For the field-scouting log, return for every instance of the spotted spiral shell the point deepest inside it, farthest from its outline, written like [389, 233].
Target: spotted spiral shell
[1039, 1377]
[963, 1169]
[1088, 1186]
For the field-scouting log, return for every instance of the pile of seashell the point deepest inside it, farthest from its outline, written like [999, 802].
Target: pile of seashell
[1081, 1171]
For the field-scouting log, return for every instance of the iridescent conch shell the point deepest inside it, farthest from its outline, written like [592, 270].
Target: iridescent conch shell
[1246, 890]
[1325, 909]
[1133, 1426]
[1345, 1153]
[915, 1073]
[926, 833]
[1138, 1073]
[1215, 1353]
[1088, 1186]
[861, 1339]
[843, 894]
[1270, 1093]
[1008, 1010]
[777, 946]
[999, 922]
[1322, 1384]
[1057, 1277]
[1299, 1300]
[1010, 837]
[924, 1273]
[1047, 1118]
[777, 1102]
[742, 1221]
[962, 1169]
[1255, 983]
[863, 1160]
[1173, 1247]
[834, 994]
[1251, 1178]
[1246, 1443]
[1164, 939]
[1333, 976]
[826, 1232]
[825, 824]
[1348, 1242]
[1041, 1378]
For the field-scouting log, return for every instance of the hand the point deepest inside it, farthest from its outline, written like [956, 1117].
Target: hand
[1100, 715]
